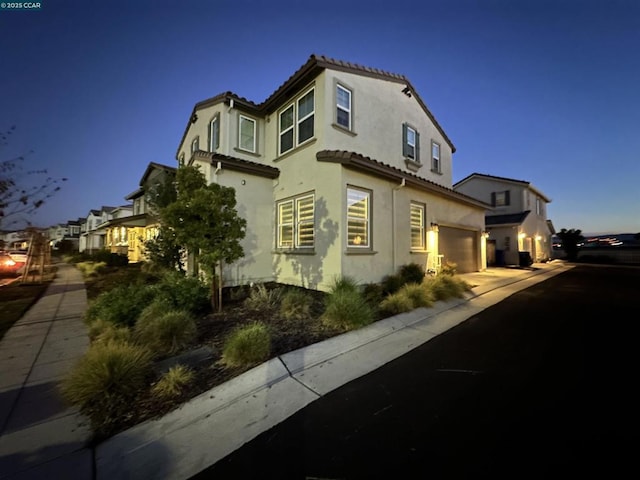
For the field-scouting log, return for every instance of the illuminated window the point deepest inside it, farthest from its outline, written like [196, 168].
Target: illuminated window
[296, 222]
[418, 240]
[247, 134]
[358, 218]
[296, 122]
[410, 143]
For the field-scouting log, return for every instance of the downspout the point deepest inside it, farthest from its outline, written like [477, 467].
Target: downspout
[216, 171]
[393, 224]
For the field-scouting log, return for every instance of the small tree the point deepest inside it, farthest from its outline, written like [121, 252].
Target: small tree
[570, 240]
[163, 250]
[22, 193]
[204, 220]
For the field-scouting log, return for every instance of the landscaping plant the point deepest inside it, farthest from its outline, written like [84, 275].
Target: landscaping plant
[174, 382]
[248, 345]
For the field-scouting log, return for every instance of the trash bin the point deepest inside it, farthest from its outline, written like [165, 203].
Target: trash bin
[500, 258]
[525, 259]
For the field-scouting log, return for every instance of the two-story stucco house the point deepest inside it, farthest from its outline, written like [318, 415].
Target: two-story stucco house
[517, 221]
[343, 170]
[92, 234]
[142, 225]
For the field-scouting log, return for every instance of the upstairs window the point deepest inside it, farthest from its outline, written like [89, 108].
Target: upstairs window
[435, 157]
[247, 134]
[296, 222]
[500, 199]
[195, 145]
[418, 240]
[343, 107]
[296, 122]
[410, 143]
[358, 218]
[214, 134]
[538, 207]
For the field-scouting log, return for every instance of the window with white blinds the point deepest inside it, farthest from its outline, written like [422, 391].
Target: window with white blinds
[296, 228]
[417, 226]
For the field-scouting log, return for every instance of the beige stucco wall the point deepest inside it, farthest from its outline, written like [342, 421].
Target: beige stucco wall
[379, 110]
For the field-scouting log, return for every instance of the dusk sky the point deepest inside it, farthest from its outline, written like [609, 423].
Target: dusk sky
[542, 91]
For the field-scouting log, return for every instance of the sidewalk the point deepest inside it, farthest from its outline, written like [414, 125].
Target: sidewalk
[40, 437]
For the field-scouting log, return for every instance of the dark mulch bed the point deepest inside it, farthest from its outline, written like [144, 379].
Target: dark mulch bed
[213, 330]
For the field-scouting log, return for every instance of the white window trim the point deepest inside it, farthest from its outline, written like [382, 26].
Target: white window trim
[240, 147]
[367, 220]
[291, 127]
[340, 107]
[421, 227]
[296, 121]
[435, 158]
[212, 139]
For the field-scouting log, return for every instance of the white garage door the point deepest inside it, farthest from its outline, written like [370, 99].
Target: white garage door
[459, 246]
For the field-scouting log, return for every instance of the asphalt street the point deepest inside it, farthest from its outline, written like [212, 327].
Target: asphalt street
[540, 385]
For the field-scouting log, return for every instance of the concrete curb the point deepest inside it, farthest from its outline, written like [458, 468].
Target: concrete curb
[216, 423]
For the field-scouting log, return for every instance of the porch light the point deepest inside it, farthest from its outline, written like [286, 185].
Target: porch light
[521, 235]
[538, 238]
[435, 227]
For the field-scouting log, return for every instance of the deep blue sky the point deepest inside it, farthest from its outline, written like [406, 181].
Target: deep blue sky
[543, 91]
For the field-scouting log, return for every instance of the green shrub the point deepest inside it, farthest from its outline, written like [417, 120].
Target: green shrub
[173, 382]
[111, 259]
[248, 345]
[449, 268]
[166, 333]
[121, 305]
[346, 310]
[444, 287]
[158, 307]
[97, 327]
[184, 293]
[295, 304]
[262, 299]
[419, 295]
[373, 294]
[411, 273]
[396, 303]
[391, 284]
[91, 268]
[106, 381]
[344, 283]
[114, 334]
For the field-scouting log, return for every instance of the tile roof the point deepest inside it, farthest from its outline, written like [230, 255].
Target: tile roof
[238, 164]
[504, 179]
[375, 167]
[314, 65]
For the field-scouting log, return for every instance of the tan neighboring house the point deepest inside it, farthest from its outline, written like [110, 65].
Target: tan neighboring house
[343, 170]
[126, 233]
[517, 222]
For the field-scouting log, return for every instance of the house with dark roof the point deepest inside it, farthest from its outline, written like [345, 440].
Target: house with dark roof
[517, 221]
[343, 170]
[92, 237]
[126, 233]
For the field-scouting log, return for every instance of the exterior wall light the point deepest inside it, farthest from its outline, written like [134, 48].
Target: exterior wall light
[435, 227]
[521, 235]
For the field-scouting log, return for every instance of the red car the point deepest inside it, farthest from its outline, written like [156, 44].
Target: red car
[8, 266]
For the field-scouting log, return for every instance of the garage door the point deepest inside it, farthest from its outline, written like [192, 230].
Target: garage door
[460, 247]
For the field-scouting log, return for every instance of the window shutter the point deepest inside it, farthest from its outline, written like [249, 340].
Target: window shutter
[417, 159]
[493, 199]
[405, 149]
[507, 197]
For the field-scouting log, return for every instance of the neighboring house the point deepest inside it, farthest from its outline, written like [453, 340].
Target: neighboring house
[517, 221]
[117, 229]
[343, 170]
[142, 224]
[14, 240]
[93, 238]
